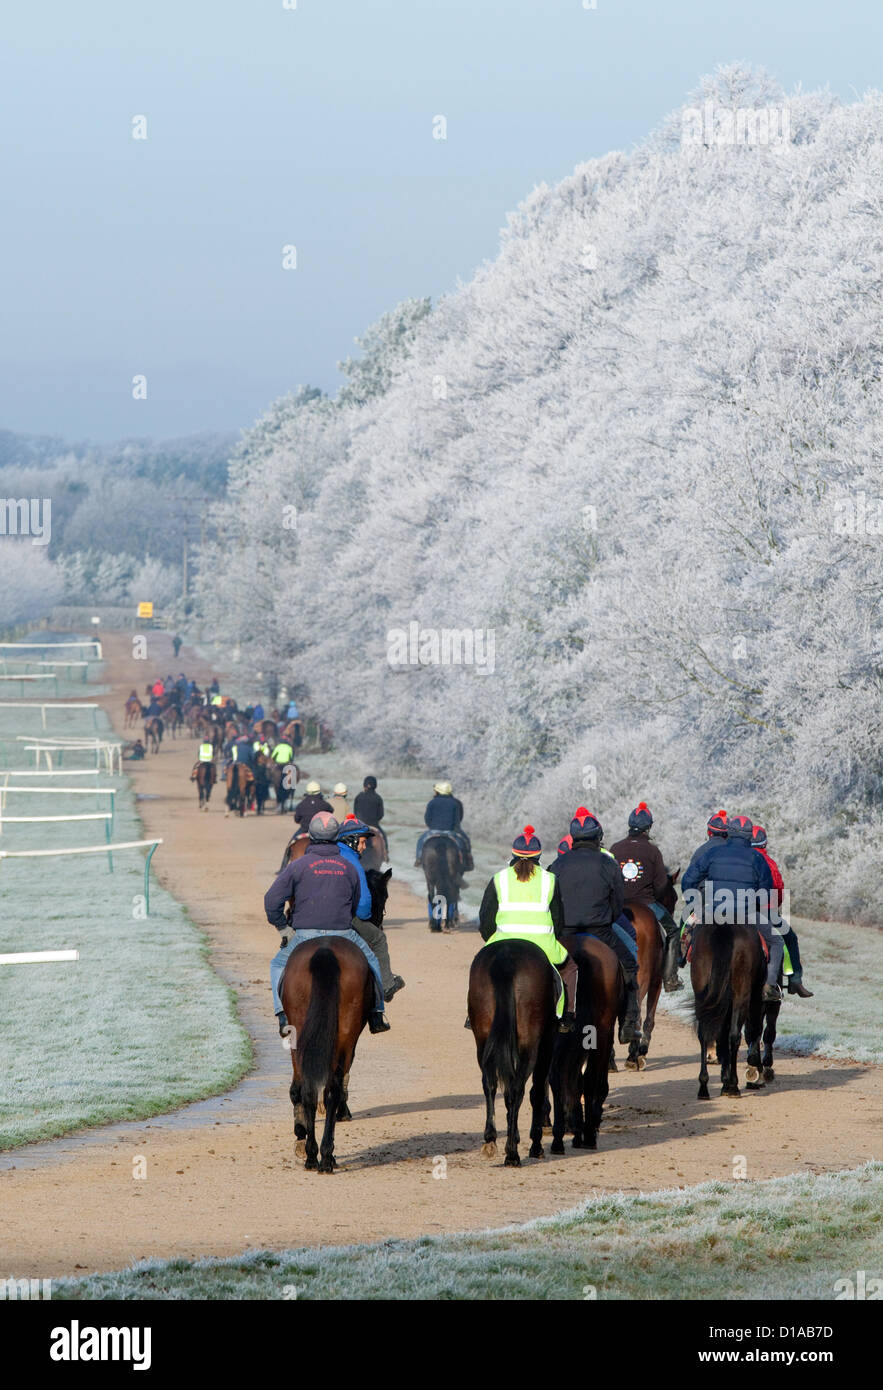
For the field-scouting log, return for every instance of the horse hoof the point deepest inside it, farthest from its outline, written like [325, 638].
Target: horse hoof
[577, 1142]
[536, 1151]
[631, 1064]
[489, 1149]
[769, 1074]
[751, 1074]
[512, 1161]
[557, 1146]
[703, 1093]
[343, 1116]
[327, 1165]
[300, 1148]
[311, 1165]
[611, 1065]
[592, 1143]
[642, 1062]
[732, 1091]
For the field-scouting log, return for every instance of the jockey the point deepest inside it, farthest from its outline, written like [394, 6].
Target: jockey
[565, 844]
[310, 806]
[732, 883]
[646, 879]
[206, 754]
[716, 832]
[283, 754]
[368, 804]
[340, 807]
[353, 838]
[592, 897]
[444, 812]
[524, 901]
[241, 751]
[323, 890]
[789, 936]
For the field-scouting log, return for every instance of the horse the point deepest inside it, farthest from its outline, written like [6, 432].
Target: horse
[378, 886]
[327, 992]
[296, 848]
[442, 863]
[650, 951]
[134, 710]
[728, 973]
[283, 792]
[239, 778]
[511, 1002]
[206, 776]
[260, 790]
[153, 732]
[580, 1061]
[174, 718]
[376, 850]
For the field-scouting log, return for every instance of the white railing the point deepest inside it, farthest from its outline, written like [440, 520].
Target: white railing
[108, 849]
[43, 705]
[36, 957]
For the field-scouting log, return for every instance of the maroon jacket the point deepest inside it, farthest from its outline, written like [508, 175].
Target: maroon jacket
[642, 868]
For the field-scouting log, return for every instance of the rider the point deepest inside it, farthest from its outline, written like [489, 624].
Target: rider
[735, 886]
[323, 891]
[593, 896]
[789, 937]
[310, 806]
[524, 901]
[565, 844]
[340, 807]
[716, 832]
[353, 839]
[368, 804]
[444, 813]
[646, 879]
[206, 754]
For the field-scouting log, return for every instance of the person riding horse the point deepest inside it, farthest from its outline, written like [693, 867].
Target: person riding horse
[592, 897]
[729, 882]
[524, 901]
[323, 891]
[646, 879]
[444, 813]
[789, 935]
[368, 805]
[310, 806]
[353, 839]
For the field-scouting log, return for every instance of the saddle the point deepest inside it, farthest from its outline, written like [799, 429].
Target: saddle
[764, 946]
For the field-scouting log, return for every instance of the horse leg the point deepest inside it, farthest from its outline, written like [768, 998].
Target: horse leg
[489, 1147]
[754, 1079]
[731, 1040]
[300, 1128]
[332, 1097]
[343, 1109]
[771, 1014]
[513, 1096]
[650, 1016]
[703, 1068]
[538, 1098]
[556, 1077]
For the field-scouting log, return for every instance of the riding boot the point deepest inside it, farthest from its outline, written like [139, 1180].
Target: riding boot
[686, 942]
[670, 955]
[378, 1022]
[795, 979]
[630, 1028]
[376, 939]
[284, 1025]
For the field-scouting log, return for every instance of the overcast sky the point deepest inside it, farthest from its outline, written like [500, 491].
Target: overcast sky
[310, 127]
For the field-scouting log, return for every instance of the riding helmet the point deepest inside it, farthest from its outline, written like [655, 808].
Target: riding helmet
[339, 789]
[741, 827]
[527, 845]
[370, 784]
[354, 829]
[585, 826]
[717, 824]
[758, 838]
[324, 827]
[640, 818]
[313, 789]
[565, 843]
[443, 788]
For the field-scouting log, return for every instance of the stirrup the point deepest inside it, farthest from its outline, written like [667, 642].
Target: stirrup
[772, 994]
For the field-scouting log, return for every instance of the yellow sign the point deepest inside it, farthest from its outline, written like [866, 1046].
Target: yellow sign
[145, 610]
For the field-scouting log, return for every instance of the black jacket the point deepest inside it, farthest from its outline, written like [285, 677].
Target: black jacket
[592, 887]
[490, 906]
[309, 807]
[368, 806]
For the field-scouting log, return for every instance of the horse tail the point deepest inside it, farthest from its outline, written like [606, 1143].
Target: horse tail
[318, 1037]
[714, 1000]
[501, 1057]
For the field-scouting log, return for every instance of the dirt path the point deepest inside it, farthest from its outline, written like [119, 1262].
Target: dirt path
[221, 1175]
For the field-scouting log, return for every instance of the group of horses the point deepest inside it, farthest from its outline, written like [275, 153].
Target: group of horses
[326, 993]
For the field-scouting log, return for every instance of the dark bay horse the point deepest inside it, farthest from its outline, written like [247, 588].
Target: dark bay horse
[327, 993]
[376, 850]
[153, 732]
[134, 710]
[206, 776]
[296, 848]
[728, 973]
[580, 1063]
[443, 867]
[238, 778]
[650, 948]
[512, 993]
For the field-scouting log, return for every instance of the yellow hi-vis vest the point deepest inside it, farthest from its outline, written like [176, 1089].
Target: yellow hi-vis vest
[216, 699]
[283, 753]
[525, 908]
[206, 753]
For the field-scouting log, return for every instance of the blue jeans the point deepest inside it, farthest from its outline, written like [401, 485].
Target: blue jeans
[625, 930]
[278, 963]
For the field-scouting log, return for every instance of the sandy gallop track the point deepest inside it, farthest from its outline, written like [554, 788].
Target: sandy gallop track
[221, 1175]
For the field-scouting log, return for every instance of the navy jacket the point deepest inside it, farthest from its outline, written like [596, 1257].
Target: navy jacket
[443, 813]
[309, 807]
[725, 871]
[323, 889]
[592, 886]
